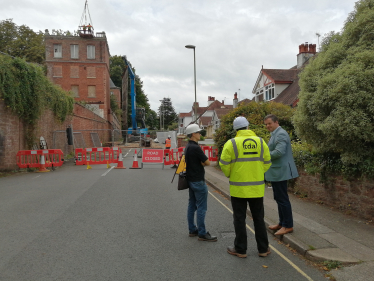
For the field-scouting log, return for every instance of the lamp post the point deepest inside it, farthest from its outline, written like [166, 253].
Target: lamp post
[194, 64]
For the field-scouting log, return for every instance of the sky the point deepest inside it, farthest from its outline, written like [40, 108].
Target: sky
[233, 39]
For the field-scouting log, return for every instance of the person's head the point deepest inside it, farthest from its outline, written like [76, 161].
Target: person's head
[240, 123]
[169, 137]
[271, 122]
[193, 132]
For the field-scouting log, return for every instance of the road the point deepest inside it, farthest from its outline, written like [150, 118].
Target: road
[112, 224]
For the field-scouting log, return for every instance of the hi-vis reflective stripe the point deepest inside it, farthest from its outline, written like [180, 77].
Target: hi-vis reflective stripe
[244, 160]
[247, 183]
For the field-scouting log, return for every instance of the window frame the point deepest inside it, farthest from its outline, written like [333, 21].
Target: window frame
[57, 50]
[91, 53]
[76, 50]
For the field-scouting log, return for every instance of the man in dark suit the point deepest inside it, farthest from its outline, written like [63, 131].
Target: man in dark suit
[282, 169]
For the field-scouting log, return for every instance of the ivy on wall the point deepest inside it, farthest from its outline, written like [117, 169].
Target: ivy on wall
[28, 93]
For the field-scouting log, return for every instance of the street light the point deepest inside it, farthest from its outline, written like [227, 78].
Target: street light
[194, 64]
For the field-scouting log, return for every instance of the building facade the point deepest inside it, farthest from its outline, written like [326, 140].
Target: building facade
[80, 64]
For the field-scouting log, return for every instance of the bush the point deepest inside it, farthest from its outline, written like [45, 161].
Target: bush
[255, 113]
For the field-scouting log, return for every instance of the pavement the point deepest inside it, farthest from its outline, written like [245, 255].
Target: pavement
[320, 233]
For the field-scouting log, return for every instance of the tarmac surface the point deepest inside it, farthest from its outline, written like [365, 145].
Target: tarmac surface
[320, 233]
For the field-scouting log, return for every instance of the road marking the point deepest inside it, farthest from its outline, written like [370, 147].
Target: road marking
[127, 153]
[274, 249]
[103, 175]
[36, 177]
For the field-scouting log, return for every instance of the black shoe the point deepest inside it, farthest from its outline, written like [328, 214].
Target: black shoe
[232, 251]
[208, 237]
[193, 234]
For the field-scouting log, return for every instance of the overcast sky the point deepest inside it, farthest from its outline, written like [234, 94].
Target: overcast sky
[233, 39]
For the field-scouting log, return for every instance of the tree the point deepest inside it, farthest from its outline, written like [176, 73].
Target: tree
[21, 41]
[117, 68]
[336, 109]
[167, 113]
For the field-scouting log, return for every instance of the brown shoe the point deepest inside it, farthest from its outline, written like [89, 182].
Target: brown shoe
[275, 227]
[263, 255]
[284, 231]
[232, 251]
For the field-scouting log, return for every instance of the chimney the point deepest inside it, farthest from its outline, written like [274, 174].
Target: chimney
[306, 51]
[223, 101]
[210, 100]
[235, 101]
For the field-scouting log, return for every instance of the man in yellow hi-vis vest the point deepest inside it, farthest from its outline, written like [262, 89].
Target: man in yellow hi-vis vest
[244, 160]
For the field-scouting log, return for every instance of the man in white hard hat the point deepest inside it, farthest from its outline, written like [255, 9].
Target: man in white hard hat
[244, 160]
[198, 191]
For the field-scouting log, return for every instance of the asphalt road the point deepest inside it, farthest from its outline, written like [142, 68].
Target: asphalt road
[112, 224]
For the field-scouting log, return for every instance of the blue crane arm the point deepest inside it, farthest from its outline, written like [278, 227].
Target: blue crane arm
[132, 95]
[133, 98]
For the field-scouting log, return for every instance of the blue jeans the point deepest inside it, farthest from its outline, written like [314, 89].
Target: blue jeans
[197, 202]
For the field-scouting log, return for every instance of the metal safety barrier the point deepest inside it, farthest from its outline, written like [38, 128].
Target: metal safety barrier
[32, 158]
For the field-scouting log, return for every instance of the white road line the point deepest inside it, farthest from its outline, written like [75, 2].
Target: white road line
[298, 269]
[127, 153]
[36, 177]
[103, 175]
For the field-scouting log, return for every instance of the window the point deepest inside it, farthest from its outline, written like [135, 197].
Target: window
[74, 71]
[92, 91]
[75, 90]
[57, 71]
[74, 51]
[57, 50]
[269, 93]
[91, 72]
[90, 51]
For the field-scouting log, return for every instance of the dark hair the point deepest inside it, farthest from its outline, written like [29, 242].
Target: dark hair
[272, 117]
[189, 136]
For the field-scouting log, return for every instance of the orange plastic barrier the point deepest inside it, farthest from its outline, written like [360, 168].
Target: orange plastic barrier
[213, 154]
[206, 150]
[32, 158]
[168, 157]
[97, 155]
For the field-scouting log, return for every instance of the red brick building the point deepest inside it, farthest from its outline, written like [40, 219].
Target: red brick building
[80, 64]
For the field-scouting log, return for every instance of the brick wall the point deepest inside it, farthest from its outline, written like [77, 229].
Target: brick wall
[12, 132]
[353, 197]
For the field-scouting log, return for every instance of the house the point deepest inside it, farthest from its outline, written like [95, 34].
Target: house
[281, 85]
[204, 114]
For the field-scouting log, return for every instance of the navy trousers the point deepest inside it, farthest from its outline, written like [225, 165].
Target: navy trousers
[283, 201]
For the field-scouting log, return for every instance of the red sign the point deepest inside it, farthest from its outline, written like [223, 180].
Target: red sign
[153, 156]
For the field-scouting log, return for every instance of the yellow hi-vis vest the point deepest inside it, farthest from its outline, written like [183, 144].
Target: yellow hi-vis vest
[244, 160]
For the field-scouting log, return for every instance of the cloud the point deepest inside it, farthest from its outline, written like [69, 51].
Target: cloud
[233, 39]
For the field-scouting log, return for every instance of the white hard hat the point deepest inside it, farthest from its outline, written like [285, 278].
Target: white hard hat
[240, 122]
[193, 128]
[169, 136]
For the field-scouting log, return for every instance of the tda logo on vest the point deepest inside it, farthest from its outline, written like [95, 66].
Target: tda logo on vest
[248, 145]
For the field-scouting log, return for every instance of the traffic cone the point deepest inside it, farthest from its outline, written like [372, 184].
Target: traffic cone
[120, 162]
[135, 162]
[88, 165]
[107, 165]
[42, 168]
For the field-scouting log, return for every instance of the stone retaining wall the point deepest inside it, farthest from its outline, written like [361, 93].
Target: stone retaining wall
[353, 197]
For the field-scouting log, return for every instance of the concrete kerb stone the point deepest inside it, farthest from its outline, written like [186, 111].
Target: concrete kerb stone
[331, 254]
